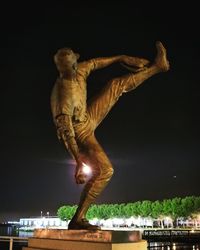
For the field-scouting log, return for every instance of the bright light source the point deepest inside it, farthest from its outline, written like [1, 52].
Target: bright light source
[86, 169]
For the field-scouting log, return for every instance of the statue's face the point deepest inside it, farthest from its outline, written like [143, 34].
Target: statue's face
[67, 58]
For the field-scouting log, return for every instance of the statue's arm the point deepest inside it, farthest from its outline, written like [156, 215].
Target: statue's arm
[102, 62]
[65, 132]
[129, 60]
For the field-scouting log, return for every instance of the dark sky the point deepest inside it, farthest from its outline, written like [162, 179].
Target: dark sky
[152, 134]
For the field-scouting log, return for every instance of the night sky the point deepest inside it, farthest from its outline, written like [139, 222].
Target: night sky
[152, 135]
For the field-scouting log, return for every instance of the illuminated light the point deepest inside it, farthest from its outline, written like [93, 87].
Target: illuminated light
[108, 223]
[168, 219]
[192, 231]
[94, 221]
[128, 222]
[86, 169]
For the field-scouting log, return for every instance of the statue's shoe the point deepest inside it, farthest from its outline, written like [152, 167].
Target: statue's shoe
[161, 58]
[83, 224]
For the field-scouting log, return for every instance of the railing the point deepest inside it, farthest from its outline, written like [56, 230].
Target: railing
[171, 235]
[12, 239]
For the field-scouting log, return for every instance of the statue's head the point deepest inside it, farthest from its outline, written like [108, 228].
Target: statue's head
[65, 59]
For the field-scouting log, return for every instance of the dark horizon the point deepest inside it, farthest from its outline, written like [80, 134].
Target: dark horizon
[152, 134]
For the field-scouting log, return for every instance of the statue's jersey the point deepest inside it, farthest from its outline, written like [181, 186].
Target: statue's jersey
[69, 100]
[69, 97]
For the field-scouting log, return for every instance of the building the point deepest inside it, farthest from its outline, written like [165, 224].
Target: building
[41, 222]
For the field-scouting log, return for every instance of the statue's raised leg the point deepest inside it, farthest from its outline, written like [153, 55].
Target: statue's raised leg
[101, 104]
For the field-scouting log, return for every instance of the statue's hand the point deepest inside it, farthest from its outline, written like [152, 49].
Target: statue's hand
[133, 69]
[79, 175]
[61, 131]
[141, 62]
[135, 61]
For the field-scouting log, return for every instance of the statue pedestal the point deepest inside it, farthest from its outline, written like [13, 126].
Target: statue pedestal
[62, 239]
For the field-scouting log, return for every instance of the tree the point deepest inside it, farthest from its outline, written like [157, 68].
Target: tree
[188, 206]
[66, 212]
[93, 212]
[167, 208]
[145, 209]
[157, 209]
[197, 204]
[174, 208]
[127, 210]
[135, 207]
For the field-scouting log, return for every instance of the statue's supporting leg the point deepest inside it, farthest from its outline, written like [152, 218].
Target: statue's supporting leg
[102, 173]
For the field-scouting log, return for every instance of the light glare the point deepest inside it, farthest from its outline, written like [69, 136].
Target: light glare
[86, 169]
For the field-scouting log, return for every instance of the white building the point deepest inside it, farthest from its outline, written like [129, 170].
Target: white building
[40, 222]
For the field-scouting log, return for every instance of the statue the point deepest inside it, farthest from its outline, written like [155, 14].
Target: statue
[76, 120]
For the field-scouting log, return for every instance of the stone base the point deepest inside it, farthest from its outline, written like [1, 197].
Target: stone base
[51, 239]
[46, 244]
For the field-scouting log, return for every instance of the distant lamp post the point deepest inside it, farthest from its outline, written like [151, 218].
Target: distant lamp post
[41, 214]
[48, 214]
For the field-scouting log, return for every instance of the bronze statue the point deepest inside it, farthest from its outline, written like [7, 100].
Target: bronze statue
[76, 120]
